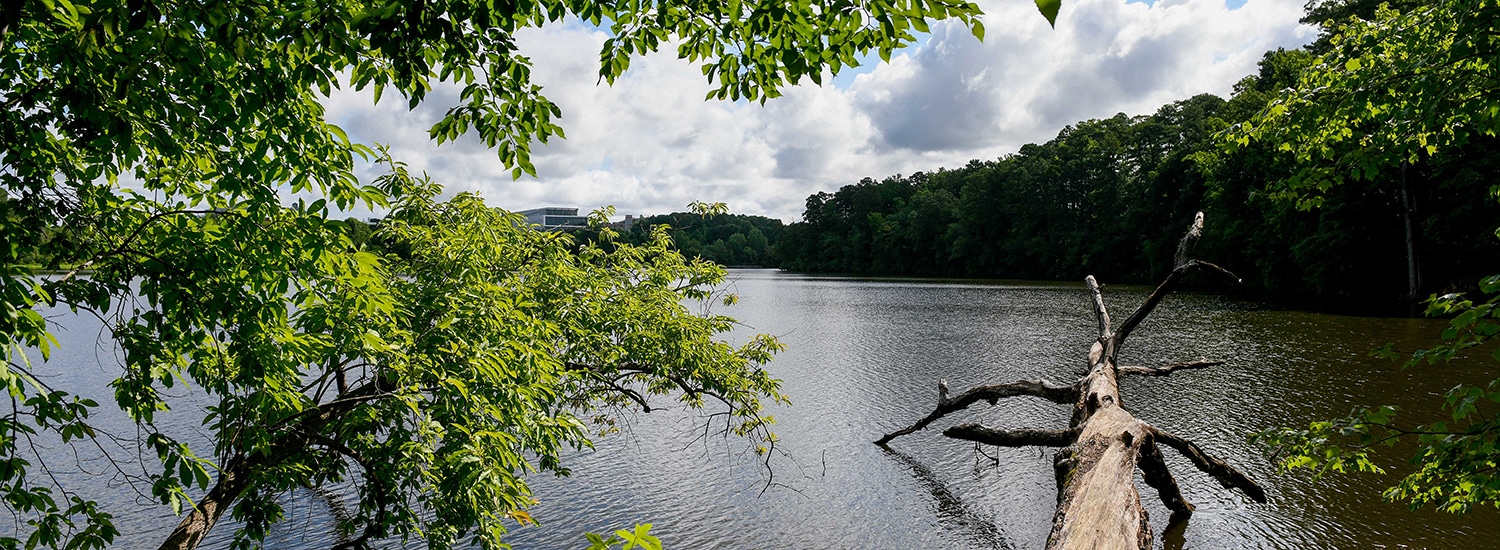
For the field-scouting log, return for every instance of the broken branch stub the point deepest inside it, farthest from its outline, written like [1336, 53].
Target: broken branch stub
[1099, 506]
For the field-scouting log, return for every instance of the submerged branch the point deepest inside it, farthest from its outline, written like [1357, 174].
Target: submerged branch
[1167, 369]
[1154, 471]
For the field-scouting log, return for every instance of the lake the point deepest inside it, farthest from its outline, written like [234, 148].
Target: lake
[864, 357]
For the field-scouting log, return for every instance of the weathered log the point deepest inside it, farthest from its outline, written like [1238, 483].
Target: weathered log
[1098, 505]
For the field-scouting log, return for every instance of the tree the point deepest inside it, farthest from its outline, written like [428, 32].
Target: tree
[1098, 505]
[1394, 91]
[161, 137]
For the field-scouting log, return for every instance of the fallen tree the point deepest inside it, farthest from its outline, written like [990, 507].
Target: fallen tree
[1098, 506]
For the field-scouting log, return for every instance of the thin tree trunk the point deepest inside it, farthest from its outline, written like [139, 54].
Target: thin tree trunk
[1413, 276]
[233, 480]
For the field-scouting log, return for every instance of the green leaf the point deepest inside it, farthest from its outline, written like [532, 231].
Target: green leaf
[1049, 10]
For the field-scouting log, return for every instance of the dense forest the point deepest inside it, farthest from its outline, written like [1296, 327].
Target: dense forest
[1112, 196]
[727, 239]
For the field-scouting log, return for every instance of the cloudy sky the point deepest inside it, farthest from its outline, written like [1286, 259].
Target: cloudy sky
[650, 144]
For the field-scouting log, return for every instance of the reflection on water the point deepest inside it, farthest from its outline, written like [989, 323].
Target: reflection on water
[950, 510]
[864, 357]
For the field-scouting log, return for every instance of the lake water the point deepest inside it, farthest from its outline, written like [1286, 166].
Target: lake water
[863, 358]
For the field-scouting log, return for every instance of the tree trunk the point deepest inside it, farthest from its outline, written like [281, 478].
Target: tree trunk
[1098, 505]
[1413, 275]
[302, 429]
[233, 480]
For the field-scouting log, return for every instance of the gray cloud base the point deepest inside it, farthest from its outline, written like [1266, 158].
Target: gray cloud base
[650, 144]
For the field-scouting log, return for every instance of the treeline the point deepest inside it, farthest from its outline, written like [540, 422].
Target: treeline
[1112, 197]
[726, 239]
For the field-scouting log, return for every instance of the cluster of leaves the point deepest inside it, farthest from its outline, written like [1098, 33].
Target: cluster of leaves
[627, 539]
[1458, 463]
[752, 48]
[1396, 89]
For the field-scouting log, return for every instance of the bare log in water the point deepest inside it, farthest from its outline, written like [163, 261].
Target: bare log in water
[1098, 505]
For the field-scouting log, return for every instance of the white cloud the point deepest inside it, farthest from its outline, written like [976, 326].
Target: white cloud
[651, 144]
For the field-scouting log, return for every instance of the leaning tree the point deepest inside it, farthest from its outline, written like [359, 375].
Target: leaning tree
[1098, 505]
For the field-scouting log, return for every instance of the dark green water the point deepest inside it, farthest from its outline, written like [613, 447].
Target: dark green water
[864, 357]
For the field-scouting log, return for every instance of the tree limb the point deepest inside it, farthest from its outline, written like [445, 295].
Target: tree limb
[377, 489]
[1039, 388]
[1167, 369]
[124, 244]
[1185, 246]
[1226, 475]
[1024, 437]
[1154, 471]
[1099, 310]
[1161, 292]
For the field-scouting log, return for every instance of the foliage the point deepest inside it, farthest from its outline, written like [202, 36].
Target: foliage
[439, 379]
[147, 147]
[627, 539]
[1457, 462]
[358, 232]
[1096, 194]
[725, 239]
[1394, 90]
[1398, 90]
[1330, 14]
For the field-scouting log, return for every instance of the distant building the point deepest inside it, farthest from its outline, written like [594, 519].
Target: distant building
[626, 224]
[554, 217]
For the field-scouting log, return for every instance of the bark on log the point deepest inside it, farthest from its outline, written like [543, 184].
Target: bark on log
[298, 432]
[1099, 506]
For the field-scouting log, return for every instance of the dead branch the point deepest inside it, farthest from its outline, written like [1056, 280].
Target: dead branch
[1100, 311]
[1185, 246]
[1221, 471]
[1024, 437]
[1154, 471]
[1161, 292]
[991, 393]
[1167, 369]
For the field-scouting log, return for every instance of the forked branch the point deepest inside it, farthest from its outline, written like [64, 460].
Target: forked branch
[1037, 388]
[1161, 292]
[1221, 471]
